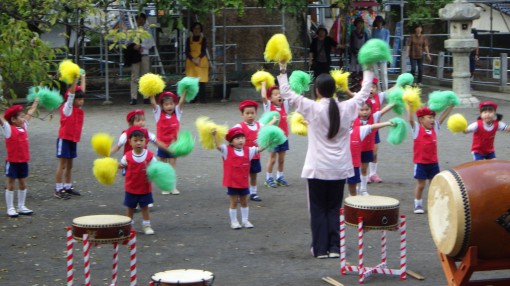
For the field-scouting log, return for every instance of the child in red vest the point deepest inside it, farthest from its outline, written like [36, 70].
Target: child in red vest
[138, 189]
[273, 101]
[168, 113]
[69, 134]
[425, 160]
[18, 154]
[484, 131]
[377, 99]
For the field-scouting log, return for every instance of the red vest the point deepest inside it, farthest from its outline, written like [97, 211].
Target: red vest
[283, 118]
[483, 140]
[136, 181]
[236, 169]
[17, 146]
[251, 136]
[127, 146]
[368, 143]
[71, 126]
[425, 147]
[356, 146]
[167, 128]
[376, 103]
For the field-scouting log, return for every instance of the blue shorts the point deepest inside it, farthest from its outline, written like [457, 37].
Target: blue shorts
[16, 170]
[282, 147]
[132, 200]
[478, 156]
[367, 156]
[162, 153]
[237, 191]
[377, 138]
[66, 149]
[356, 179]
[425, 171]
[255, 166]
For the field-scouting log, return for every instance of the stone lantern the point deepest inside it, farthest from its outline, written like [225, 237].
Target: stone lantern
[461, 42]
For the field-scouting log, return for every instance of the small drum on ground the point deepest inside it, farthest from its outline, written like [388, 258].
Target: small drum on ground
[469, 205]
[188, 277]
[102, 228]
[378, 212]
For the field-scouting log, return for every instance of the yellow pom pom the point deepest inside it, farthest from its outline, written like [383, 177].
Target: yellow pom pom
[262, 76]
[457, 123]
[205, 127]
[412, 95]
[298, 124]
[102, 144]
[68, 71]
[151, 84]
[105, 170]
[278, 49]
[341, 79]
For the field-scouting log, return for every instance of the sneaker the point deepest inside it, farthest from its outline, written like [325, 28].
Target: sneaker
[24, 211]
[61, 195]
[270, 183]
[418, 210]
[255, 197]
[363, 193]
[235, 225]
[150, 205]
[281, 181]
[12, 212]
[334, 255]
[147, 229]
[166, 192]
[132, 102]
[72, 191]
[175, 192]
[375, 179]
[247, 224]
[225, 100]
[322, 256]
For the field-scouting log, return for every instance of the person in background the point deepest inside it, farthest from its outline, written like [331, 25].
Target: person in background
[320, 51]
[358, 38]
[416, 46]
[140, 61]
[197, 64]
[381, 69]
[473, 56]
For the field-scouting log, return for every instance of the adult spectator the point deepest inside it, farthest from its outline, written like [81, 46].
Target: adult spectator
[320, 51]
[416, 46]
[381, 69]
[358, 38]
[197, 64]
[473, 56]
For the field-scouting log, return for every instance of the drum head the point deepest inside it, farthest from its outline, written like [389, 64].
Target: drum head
[371, 202]
[101, 220]
[182, 276]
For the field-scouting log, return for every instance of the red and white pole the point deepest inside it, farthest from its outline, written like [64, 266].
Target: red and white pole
[86, 258]
[360, 251]
[132, 252]
[115, 267]
[403, 248]
[70, 245]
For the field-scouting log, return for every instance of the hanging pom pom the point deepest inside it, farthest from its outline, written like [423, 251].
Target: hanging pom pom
[68, 71]
[162, 175]
[405, 79]
[48, 98]
[341, 79]
[151, 84]
[102, 144]
[190, 85]
[395, 97]
[184, 144]
[278, 49]
[268, 116]
[262, 76]
[457, 123]
[298, 124]
[398, 132]
[105, 170]
[373, 51]
[440, 100]
[204, 127]
[299, 81]
[270, 136]
[412, 95]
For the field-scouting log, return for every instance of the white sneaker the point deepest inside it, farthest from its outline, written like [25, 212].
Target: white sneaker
[147, 229]
[12, 212]
[235, 225]
[23, 210]
[418, 209]
[247, 224]
[166, 192]
[363, 193]
[150, 205]
[175, 192]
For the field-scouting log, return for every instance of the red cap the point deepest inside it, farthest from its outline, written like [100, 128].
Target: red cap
[247, 103]
[488, 103]
[131, 129]
[233, 132]
[167, 93]
[270, 90]
[12, 111]
[133, 113]
[78, 88]
[424, 111]
[375, 80]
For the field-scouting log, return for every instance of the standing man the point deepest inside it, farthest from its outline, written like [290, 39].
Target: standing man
[137, 55]
[417, 46]
[320, 51]
[381, 69]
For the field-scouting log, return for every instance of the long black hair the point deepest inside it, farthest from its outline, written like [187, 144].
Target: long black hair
[326, 87]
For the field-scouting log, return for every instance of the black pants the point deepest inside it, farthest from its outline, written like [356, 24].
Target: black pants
[417, 64]
[319, 68]
[325, 199]
[201, 95]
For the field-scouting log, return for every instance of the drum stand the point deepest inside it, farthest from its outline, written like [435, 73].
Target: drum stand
[130, 242]
[381, 268]
[459, 276]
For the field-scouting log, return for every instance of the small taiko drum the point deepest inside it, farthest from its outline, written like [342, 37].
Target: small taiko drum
[469, 205]
[378, 212]
[102, 228]
[188, 277]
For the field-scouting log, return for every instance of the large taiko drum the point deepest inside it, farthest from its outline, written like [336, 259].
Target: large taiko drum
[378, 212]
[469, 205]
[102, 228]
[188, 277]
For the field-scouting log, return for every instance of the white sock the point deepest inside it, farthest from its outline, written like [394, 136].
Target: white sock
[67, 185]
[22, 194]
[364, 182]
[9, 199]
[244, 214]
[279, 174]
[59, 186]
[146, 222]
[373, 168]
[418, 203]
[269, 175]
[233, 215]
[253, 190]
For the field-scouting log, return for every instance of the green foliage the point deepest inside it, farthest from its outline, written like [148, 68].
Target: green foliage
[423, 11]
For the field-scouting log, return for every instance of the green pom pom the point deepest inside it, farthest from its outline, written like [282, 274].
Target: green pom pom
[190, 85]
[82, 72]
[48, 98]
[268, 116]
[162, 174]
[300, 81]
[184, 144]
[405, 79]
[270, 136]
[373, 51]
[398, 133]
[395, 97]
[440, 100]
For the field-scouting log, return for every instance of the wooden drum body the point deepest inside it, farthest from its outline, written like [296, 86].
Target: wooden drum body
[188, 277]
[469, 205]
[377, 212]
[102, 228]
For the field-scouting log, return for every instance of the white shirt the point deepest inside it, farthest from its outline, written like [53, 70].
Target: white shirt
[6, 127]
[139, 158]
[123, 139]
[177, 112]
[239, 152]
[473, 127]
[416, 128]
[267, 106]
[68, 105]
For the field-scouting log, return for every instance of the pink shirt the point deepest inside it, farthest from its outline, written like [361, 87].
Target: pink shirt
[327, 159]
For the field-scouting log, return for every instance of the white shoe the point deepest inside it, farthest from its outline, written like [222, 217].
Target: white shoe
[235, 225]
[175, 192]
[150, 205]
[23, 210]
[418, 210]
[166, 192]
[12, 212]
[363, 193]
[247, 224]
[147, 229]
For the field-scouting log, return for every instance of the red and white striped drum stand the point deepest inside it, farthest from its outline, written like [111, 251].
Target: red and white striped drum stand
[381, 268]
